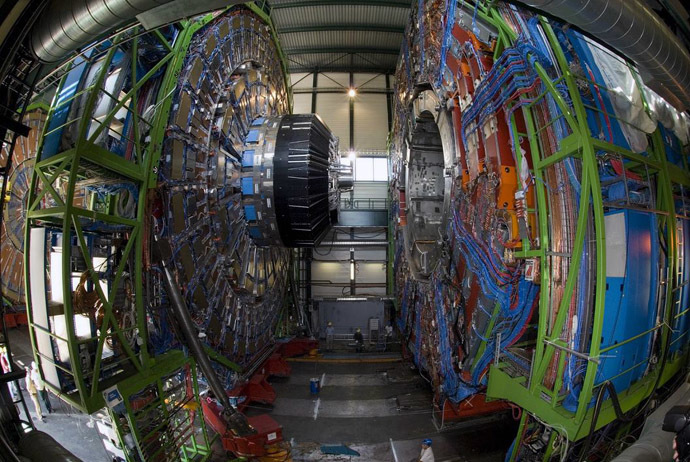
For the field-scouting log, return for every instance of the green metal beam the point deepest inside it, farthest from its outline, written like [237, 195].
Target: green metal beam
[382, 3]
[343, 27]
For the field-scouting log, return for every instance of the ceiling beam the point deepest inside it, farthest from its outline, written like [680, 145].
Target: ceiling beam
[297, 91]
[343, 27]
[363, 69]
[303, 3]
[343, 50]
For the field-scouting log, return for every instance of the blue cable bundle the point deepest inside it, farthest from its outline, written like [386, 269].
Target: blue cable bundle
[515, 297]
[452, 386]
[511, 72]
[418, 331]
[511, 327]
[447, 36]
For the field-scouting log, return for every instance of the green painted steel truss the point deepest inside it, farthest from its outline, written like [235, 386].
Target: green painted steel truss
[531, 392]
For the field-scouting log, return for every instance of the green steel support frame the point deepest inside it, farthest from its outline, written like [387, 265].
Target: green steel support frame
[530, 393]
[59, 202]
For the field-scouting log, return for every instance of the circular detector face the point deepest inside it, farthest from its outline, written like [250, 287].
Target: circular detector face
[231, 78]
[14, 212]
[426, 184]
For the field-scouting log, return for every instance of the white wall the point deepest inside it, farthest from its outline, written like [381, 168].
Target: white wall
[331, 265]
[333, 105]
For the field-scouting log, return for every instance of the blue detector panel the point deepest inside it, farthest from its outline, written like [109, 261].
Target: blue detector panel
[250, 212]
[63, 104]
[248, 158]
[247, 186]
[631, 295]
[252, 136]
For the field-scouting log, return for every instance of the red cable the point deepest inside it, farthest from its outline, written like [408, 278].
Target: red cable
[601, 101]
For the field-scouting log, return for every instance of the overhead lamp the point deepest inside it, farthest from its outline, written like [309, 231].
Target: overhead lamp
[352, 270]
[352, 155]
[352, 93]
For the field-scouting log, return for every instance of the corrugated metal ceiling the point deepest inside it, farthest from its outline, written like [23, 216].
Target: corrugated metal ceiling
[340, 35]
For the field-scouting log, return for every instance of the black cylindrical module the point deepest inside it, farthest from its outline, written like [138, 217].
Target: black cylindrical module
[289, 188]
[303, 149]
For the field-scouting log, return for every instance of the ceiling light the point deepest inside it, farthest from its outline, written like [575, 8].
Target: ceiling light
[352, 93]
[351, 157]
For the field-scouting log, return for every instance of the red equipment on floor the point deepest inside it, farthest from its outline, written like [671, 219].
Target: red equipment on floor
[474, 406]
[268, 432]
[297, 347]
[276, 366]
[255, 390]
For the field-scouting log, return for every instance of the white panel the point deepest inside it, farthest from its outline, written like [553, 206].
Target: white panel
[361, 253]
[616, 246]
[329, 291]
[334, 109]
[371, 122]
[301, 80]
[381, 169]
[370, 81]
[336, 272]
[371, 272]
[333, 80]
[372, 291]
[370, 189]
[364, 169]
[39, 303]
[301, 103]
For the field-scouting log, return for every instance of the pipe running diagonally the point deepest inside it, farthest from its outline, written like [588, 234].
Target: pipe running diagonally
[634, 30]
[67, 25]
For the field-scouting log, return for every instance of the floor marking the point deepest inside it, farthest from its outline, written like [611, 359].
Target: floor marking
[316, 408]
[323, 380]
[395, 455]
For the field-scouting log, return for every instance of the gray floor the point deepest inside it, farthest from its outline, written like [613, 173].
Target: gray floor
[77, 432]
[381, 410]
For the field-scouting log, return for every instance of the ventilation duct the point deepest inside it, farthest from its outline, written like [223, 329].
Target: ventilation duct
[68, 25]
[633, 29]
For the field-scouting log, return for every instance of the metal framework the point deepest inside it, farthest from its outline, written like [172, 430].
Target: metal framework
[583, 146]
[97, 310]
[556, 232]
[53, 203]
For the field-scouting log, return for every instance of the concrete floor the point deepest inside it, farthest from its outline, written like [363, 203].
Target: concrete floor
[382, 410]
[76, 431]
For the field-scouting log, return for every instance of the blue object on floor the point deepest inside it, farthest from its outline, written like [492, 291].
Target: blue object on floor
[315, 386]
[339, 449]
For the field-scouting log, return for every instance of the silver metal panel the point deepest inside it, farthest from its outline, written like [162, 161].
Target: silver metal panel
[616, 245]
